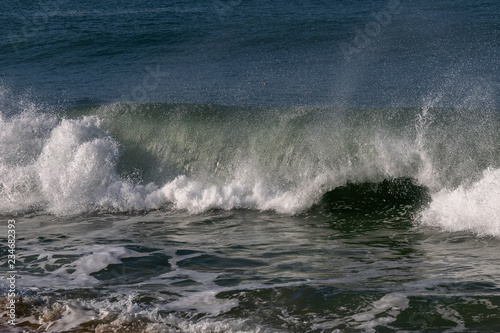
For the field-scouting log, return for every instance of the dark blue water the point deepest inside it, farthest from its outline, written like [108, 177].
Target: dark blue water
[242, 166]
[366, 53]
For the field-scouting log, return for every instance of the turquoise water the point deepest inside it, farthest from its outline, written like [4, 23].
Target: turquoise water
[234, 166]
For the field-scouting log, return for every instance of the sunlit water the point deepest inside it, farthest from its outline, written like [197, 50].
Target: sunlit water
[239, 166]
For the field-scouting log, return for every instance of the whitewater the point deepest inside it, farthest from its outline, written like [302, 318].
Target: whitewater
[196, 158]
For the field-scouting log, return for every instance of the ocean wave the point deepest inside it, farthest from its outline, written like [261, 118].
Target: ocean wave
[126, 157]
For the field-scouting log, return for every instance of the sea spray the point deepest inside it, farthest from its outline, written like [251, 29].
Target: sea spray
[203, 157]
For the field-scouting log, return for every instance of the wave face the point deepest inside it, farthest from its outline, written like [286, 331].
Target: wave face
[130, 157]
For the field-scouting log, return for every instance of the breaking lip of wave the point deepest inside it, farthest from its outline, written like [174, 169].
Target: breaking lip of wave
[69, 167]
[286, 161]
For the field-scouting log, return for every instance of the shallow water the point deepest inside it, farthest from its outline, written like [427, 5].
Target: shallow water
[248, 271]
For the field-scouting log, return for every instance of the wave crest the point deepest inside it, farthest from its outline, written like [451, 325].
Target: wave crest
[475, 207]
[124, 158]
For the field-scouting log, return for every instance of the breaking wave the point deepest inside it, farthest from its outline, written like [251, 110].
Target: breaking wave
[140, 157]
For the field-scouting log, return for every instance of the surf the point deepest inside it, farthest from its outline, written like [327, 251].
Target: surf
[142, 157]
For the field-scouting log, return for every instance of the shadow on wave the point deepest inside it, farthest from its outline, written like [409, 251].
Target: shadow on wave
[395, 201]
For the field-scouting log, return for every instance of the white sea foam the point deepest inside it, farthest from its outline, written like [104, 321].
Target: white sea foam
[474, 208]
[72, 315]
[91, 259]
[69, 167]
[391, 305]
[125, 315]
